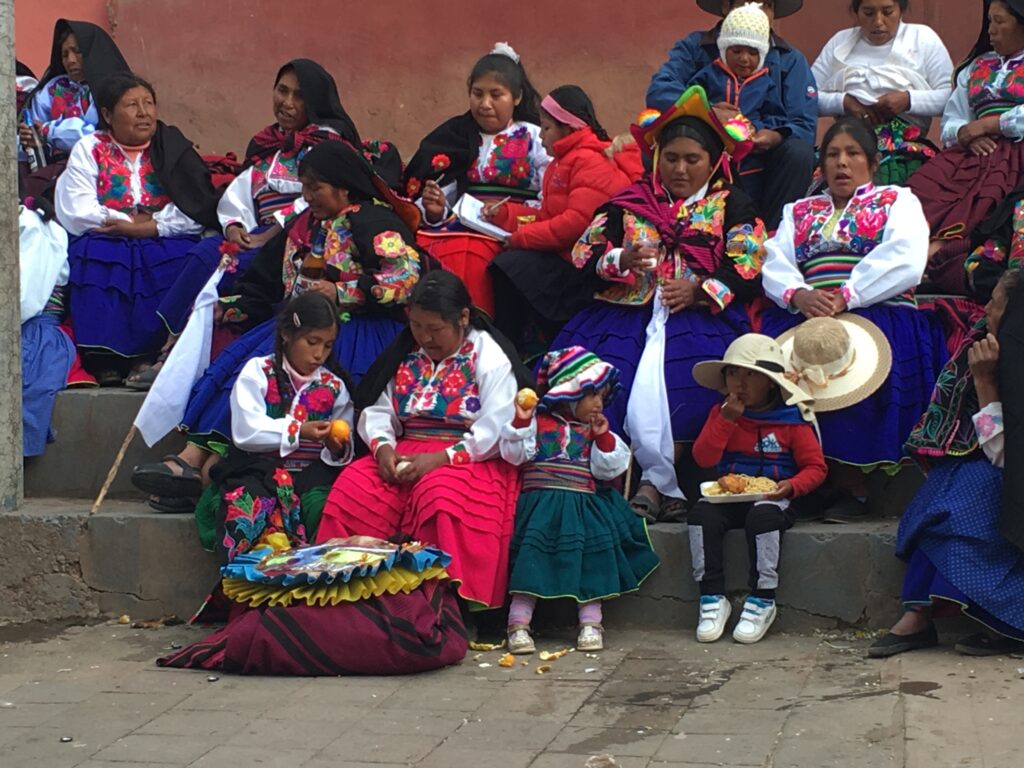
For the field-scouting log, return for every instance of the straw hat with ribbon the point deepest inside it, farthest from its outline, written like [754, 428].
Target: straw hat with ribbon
[569, 374]
[840, 361]
[755, 352]
[783, 8]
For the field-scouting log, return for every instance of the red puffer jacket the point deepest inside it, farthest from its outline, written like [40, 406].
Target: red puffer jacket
[580, 179]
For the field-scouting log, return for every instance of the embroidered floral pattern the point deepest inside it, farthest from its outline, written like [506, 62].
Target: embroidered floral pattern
[250, 518]
[857, 230]
[719, 292]
[68, 98]
[995, 84]
[314, 402]
[447, 391]
[400, 267]
[115, 173]
[987, 425]
[440, 162]
[560, 440]
[745, 246]
[593, 237]
[508, 163]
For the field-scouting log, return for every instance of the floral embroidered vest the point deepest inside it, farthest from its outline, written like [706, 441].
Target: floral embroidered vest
[445, 391]
[68, 98]
[314, 402]
[992, 88]
[275, 183]
[830, 243]
[333, 241]
[508, 163]
[562, 460]
[114, 178]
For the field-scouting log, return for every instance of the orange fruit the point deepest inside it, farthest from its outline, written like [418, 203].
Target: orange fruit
[526, 399]
[340, 431]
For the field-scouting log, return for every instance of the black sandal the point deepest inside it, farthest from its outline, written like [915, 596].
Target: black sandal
[142, 379]
[644, 505]
[158, 479]
[172, 506]
[986, 644]
[109, 378]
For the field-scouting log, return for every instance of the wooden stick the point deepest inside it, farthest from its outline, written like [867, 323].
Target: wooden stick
[113, 470]
[627, 490]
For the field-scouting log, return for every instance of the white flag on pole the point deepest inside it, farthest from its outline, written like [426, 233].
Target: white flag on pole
[165, 403]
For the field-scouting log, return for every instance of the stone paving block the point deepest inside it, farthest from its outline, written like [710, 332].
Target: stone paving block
[235, 695]
[645, 693]
[54, 692]
[604, 715]
[295, 734]
[537, 698]
[40, 747]
[842, 753]
[505, 733]
[120, 764]
[329, 761]
[25, 714]
[445, 757]
[399, 721]
[597, 741]
[297, 710]
[383, 748]
[464, 697]
[188, 722]
[145, 749]
[734, 749]
[568, 760]
[252, 756]
[728, 720]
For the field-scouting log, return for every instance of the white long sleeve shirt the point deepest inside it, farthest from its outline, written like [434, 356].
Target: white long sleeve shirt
[1003, 84]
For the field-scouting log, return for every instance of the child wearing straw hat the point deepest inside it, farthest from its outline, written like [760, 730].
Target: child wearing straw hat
[765, 428]
[573, 536]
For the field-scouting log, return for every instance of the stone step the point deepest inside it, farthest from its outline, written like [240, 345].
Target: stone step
[90, 425]
[64, 564]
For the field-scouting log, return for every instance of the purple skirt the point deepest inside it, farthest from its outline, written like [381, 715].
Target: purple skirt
[617, 334]
[200, 264]
[115, 287]
[874, 430]
[208, 416]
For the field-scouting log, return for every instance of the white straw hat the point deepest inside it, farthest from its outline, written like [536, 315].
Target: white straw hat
[754, 352]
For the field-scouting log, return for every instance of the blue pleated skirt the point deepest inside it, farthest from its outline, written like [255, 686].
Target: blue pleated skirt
[950, 537]
[115, 287]
[617, 334]
[200, 263]
[874, 431]
[46, 357]
[208, 416]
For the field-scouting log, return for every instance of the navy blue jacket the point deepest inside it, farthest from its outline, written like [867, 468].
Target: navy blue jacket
[757, 97]
[788, 68]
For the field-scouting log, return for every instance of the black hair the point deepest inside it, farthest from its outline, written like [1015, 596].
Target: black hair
[861, 133]
[307, 312]
[443, 293]
[855, 5]
[110, 90]
[984, 42]
[512, 75]
[64, 35]
[575, 101]
[693, 128]
[1010, 280]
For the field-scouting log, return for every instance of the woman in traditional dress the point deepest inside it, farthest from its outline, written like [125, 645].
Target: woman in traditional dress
[677, 256]
[895, 75]
[353, 244]
[858, 248]
[493, 152]
[135, 197]
[983, 159]
[62, 108]
[433, 408]
[963, 535]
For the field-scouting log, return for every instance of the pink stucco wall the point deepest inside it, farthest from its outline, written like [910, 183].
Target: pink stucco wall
[401, 66]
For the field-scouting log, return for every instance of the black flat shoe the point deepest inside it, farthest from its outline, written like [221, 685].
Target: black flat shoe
[890, 644]
[849, 510]
[984, 644]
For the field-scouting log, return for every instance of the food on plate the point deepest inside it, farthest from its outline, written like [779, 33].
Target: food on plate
[734, 485]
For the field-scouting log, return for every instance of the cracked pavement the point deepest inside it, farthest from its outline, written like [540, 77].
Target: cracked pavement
[92, 697]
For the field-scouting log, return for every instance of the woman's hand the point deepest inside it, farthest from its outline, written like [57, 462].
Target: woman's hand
[855, 108]
[976, 129]
[732, 408]
[766, 140]
[813, 302]
[235, 233]
[678, 294]
[218, 314]
[28, 140]
[982, 146]
[325, 288]
[983, 358]
[387, 463]
[639, 259]
[783, 490]
[839, 304]
[141, 225]
[434, 201]
[316, 431]
[890, 105]
[420, 464]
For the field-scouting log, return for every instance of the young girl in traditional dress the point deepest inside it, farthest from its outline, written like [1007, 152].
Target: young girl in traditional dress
[290, 418]
[494, 152]
[572, 538]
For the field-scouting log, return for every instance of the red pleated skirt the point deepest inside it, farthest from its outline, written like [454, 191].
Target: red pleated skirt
[468, 255]
[467, 510]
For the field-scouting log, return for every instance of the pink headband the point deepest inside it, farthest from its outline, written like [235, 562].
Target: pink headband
[561, 114]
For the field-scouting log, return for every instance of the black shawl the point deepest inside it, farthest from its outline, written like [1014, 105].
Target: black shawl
[445, 155]
[1011, 374]
[183, 175]
[100, 54]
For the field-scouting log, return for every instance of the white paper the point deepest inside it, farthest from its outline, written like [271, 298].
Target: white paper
[468, 210]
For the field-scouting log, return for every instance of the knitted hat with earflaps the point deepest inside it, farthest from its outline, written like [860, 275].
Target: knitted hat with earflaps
[569, 374]
[746, 25]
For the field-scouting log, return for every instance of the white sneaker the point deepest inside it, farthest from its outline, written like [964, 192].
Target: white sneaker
[520, 640]
[758, 615]
[591, 638]
[714, 613]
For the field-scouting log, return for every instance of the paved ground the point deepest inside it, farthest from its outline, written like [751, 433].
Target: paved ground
[91, 697]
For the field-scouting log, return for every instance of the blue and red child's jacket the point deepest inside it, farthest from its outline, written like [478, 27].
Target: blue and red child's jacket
[778, 444]
[758, 97]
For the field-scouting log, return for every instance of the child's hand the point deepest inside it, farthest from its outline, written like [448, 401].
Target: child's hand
[524, 414]
[598, 424]
[317, 431]
[732, 408]
[783, 490]
[335, 446]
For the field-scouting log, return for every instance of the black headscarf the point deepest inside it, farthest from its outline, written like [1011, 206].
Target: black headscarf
[100, 55]
[386, 365]
[445, 155]
[1011, 374]
[184, 175]
[23, 70]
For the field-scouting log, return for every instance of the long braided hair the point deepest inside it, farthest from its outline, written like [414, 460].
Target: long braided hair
[307, 312]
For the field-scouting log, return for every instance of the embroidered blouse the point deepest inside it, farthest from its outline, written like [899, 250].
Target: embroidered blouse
[102, 181]
[469, 395]
[260, 423]
[722, 248]
[263, 189]
[512, 161]
[561, 454]
[991, 85]
[873, 251]
[988, 423]
[915, 61]
[67, 111]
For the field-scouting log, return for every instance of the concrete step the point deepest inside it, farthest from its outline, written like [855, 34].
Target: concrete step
[63, 564]
[91, 425]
